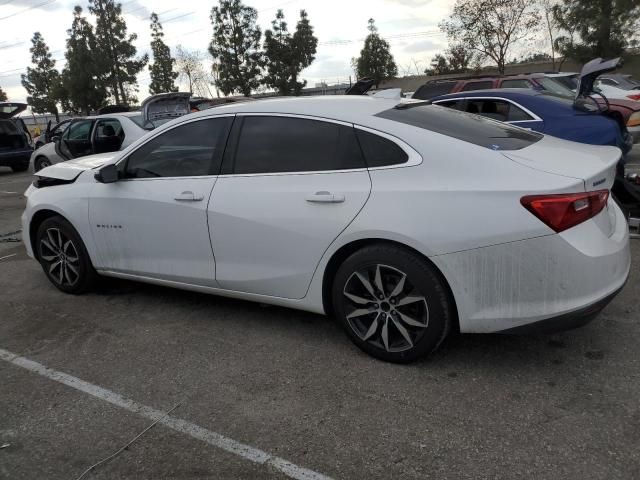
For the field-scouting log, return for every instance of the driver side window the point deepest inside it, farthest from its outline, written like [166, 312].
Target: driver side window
[190, 150]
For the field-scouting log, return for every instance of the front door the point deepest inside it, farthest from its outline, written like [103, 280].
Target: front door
[76, 140]
[290, 186]
[153, 222]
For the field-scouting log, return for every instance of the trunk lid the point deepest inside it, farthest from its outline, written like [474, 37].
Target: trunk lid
[591, 70]
[163, 107]
[11, 109]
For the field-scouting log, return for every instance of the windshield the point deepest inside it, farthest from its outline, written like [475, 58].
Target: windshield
[462, 126]
[554, 86]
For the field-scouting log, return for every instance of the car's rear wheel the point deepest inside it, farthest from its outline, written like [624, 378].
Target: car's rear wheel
[40, 163]
[392, 303]
[63, 256]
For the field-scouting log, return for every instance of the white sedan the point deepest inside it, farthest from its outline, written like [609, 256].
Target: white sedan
[111, 132]
[404, 221]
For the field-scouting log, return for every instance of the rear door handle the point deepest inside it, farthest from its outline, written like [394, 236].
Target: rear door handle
[324, 197]
[188, 196]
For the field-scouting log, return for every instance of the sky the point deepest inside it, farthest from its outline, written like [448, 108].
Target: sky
[410, 27]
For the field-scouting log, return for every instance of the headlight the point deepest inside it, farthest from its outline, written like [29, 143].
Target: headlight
[634, 120]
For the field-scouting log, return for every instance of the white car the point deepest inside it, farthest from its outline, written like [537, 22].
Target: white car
[405, 221]
[111, 132]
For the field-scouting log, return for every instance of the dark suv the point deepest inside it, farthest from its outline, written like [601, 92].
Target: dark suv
[15, 141]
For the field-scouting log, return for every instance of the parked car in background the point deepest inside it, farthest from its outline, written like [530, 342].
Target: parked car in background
[543, 112]
[612, 86]
[109, 132]
[51, 133]
[627, 112]
[405, 221]
[15, 141]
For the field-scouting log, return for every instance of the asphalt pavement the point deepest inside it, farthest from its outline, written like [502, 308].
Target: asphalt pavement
[257, 387]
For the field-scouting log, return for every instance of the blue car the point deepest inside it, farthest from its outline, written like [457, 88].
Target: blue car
[543, 112]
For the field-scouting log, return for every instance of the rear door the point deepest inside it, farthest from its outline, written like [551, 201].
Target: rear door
[290, 185]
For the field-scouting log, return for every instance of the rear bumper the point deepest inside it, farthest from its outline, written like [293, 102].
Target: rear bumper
[15, 157]
[552, 280]
[567, 321]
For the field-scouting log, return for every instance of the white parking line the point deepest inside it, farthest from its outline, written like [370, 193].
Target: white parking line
[212, 438]
[8, 256]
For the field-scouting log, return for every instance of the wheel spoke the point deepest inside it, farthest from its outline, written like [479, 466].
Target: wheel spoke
[48, 258]
[410, 321]
[66, 246]
[73, 269]
[48, 245]
[410, 299]
[403, 331]
[53, 266]
[359, 312]
[399, 287]
[356, 299]
[385, 334]
[55, 245]
[60, 241]
[378, 280]
[372, 328]
[367, 284]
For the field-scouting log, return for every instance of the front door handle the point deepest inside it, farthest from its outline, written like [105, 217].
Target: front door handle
[188, 196]
[324, 197]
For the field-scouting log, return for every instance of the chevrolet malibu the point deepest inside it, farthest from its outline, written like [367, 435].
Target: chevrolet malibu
[404, 221]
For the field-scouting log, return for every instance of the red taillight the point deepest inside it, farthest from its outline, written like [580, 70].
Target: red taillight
[566, 210]
[634, 97]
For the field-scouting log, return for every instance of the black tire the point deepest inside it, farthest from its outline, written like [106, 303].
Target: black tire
[431, 316]
[40, 163]
[21, 167]
[74, 272]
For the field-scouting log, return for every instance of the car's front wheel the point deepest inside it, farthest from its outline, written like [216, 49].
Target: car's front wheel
[63, 256]
[40, 163]
[392, 303]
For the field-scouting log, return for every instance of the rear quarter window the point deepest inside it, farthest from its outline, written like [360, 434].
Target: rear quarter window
[435, 89]
[463, 126]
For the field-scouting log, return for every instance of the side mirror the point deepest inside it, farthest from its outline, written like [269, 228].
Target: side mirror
[55, 138]
[107, 174]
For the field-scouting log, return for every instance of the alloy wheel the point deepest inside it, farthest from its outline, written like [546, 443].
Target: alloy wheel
[61, 257]
[384, 308]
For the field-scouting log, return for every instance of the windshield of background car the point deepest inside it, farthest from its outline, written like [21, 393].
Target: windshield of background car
[463, 126]
[554, 86]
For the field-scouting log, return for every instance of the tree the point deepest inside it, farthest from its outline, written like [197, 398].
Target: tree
[457, 59]
[41, 82]
[235, 47]
[439, 66]
[287, 55]
[3, 95]
[605, 27]
[375, 60]
[491, 27]
[277, 53]
[304, 47]
[116, 51]
[161, 70]
[551, 26]
[189, 66]
[82, 89]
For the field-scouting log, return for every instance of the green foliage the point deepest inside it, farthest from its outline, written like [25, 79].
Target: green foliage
[235, 47]
[42, 81]
[115, 51]
[287, 55]
[3, 95]
[82, 89]
[491, 27]
[161, 70]
[457, 59]
[605, 28]
[375, 60]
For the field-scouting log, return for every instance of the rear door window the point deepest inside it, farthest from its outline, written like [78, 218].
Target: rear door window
[497, 109]
[484, 85]
[457, 104]
[273, 144]
[379, 151]
[108, 136]
[519, 83]
[433, 89]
